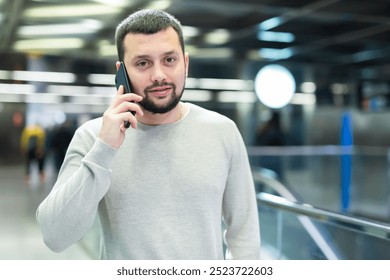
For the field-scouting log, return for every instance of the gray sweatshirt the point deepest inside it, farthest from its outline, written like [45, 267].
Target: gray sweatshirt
[166, 193]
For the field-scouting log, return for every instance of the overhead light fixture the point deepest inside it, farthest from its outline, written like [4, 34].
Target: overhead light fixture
[218, 37]
[48, 44]
[190, 31]
[101, 79]
[60, 11]
[159, 5]
[308, 87]
[212, 53]
[116, 3]
[270, 36]
[236, 97]
[5, 75]
[42, 76]
[275, 53]
[16, 88]
[197, 95]
[270, 23]
[303, 99]
[108, 50]
[224, 84]
[274, 86]
[84, 27]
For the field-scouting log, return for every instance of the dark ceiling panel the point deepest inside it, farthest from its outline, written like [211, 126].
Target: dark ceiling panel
[338, 32]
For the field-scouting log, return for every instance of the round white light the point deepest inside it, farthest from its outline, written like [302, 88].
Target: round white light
[274, 86]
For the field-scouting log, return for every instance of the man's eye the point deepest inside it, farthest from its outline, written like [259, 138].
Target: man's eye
[170, 60]
[142, 64]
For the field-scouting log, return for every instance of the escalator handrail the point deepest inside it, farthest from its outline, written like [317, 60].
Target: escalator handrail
[360, 225]
[271, 179]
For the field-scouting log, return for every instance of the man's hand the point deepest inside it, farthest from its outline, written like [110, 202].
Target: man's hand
[113, 129]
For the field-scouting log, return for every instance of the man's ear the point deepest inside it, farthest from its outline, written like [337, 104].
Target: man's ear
[186, 61]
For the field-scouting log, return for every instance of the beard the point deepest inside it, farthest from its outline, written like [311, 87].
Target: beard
[173, 99]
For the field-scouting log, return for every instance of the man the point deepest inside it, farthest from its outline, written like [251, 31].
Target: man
[32, 145]
[161, 187]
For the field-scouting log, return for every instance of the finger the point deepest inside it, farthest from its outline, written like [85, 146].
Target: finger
[128, 106]
[117, 64]
[124, 127]
[121, 90]
[124, 98]
[118, 119]
[130, 97]
[128, 120]
[116, 100]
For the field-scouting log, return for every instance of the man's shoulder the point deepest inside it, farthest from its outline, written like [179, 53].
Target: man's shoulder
[213, 123]
[209, 116]
[91, 126]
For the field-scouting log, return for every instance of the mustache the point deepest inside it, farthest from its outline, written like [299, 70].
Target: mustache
[158, 84]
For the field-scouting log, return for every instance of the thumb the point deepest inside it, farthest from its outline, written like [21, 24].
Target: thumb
[117, 64]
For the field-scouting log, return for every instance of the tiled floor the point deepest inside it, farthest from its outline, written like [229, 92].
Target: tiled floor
[20, 236]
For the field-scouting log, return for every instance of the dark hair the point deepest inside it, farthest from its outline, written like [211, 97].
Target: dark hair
[146, 22]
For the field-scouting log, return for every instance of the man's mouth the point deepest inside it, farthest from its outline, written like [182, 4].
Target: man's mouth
[160, 91]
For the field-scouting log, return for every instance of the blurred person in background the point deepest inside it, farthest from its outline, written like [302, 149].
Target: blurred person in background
[161, 188]
[271, 134]
[60, 139]
[32, 145]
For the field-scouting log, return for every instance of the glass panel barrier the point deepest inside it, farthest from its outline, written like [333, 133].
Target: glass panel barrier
[314, 175]
[290, 230]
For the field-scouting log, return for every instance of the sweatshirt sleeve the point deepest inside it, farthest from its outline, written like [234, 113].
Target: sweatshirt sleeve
[70, 209]
[240, 213]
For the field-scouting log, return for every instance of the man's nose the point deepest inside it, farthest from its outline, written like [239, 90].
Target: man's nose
[158, 74]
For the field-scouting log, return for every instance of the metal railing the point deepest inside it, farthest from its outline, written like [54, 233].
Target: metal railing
[285, 200]
[364, 226]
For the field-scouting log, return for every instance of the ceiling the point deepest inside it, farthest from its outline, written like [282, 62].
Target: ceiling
[341, 33]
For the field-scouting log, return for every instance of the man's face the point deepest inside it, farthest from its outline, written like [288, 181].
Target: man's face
[157, 68]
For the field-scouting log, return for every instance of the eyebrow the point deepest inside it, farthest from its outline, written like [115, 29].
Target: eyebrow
[147, 56]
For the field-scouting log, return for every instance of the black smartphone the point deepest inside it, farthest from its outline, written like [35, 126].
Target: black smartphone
[121, 78]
